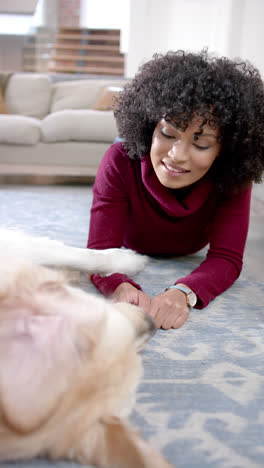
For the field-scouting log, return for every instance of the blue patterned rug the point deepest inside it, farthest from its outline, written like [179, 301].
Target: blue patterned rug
[201, 401]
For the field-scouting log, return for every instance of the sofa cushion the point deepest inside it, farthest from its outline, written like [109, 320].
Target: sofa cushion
[79, 125]
[28, 94]
[19, 130]
[79, 94]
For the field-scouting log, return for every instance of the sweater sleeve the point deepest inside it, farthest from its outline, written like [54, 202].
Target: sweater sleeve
[108, 213]
[224, 259]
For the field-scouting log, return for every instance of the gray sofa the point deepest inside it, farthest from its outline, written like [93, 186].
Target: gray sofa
[56, 128]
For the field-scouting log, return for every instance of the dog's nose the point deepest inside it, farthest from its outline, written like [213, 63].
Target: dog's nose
[143, 324]
[151, 325]
[145, 331]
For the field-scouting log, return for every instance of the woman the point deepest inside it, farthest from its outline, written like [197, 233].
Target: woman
[193, 131]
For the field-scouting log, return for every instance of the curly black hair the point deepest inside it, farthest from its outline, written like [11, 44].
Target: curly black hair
[177, 86]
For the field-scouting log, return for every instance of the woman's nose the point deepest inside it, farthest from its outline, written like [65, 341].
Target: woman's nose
[178, 151]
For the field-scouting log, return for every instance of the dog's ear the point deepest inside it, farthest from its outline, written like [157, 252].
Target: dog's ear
[39, 356]
[120, 446]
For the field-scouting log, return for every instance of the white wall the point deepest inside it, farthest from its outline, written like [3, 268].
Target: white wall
[157, 26]
[233, 28]
[194, 24]
[106, 14]
[251, 47]
[252, 33]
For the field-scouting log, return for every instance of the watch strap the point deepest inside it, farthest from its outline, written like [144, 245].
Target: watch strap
[189, 293]
[181, 288]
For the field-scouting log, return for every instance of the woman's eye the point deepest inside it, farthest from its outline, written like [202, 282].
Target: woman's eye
[166, 135]
[201, 147]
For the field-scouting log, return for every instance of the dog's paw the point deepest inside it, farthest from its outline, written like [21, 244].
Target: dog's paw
[125, 261]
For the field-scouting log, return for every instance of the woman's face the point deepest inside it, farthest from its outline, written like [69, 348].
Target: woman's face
[180, 158]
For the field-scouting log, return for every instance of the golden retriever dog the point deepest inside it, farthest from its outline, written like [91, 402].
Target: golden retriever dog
[69, 360]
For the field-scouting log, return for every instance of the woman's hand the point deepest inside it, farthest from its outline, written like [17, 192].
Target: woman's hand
[169, 309]
[126, 292]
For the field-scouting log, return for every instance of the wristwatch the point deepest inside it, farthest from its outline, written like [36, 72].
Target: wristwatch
[190, 295]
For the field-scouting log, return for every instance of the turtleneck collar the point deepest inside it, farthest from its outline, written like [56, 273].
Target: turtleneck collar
[184, 204]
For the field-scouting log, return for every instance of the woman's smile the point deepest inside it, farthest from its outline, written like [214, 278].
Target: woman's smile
[175, 170]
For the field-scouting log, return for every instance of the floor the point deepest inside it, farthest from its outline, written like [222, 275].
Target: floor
[201, 398]
[254, 253]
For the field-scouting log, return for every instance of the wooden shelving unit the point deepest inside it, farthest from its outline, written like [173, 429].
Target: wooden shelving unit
[76, 50]
[90, 51]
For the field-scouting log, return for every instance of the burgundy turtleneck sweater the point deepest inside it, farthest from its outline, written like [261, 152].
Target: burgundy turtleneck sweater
[131, 208]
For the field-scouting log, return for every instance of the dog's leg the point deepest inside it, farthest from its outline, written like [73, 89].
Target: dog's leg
[89, 260]
[44, 251]
[121, 447]
[93, 261]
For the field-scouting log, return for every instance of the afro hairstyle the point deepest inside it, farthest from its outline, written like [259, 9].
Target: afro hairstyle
[228, 95]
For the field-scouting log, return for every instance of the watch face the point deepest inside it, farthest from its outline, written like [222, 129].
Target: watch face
[190, 295]
[192, 299]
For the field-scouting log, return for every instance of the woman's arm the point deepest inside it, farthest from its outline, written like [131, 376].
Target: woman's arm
[224, 260]
[109, 211]
[218, 272]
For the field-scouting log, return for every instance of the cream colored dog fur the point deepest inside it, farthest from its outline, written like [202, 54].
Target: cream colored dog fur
[69, 361]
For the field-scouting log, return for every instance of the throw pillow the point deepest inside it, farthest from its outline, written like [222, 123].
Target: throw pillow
[106, 100]
[3, 108]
